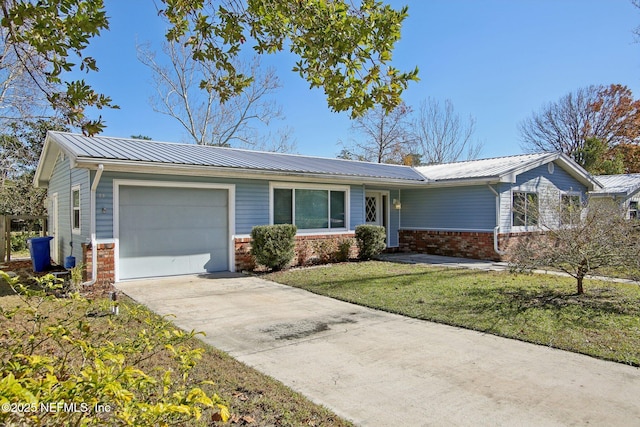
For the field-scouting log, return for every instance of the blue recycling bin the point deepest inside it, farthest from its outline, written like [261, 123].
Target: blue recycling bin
[40, 253]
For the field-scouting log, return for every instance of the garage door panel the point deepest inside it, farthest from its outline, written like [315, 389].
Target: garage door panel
[166, 242]
[171, 196]
[168, 231]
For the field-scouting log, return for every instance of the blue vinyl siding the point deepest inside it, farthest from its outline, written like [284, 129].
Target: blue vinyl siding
[357, 205]
[539, 180]
[252, 200]
[449, 208]
[62, 180]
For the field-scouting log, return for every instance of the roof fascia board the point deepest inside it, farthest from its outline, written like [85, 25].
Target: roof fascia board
[512, 175]
[46, 162]
[228, 172]
[464, 182]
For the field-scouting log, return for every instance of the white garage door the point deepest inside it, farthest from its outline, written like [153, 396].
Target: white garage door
[165, 231]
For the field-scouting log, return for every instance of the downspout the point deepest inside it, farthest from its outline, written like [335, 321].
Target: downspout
[496, 229]
[92, 207]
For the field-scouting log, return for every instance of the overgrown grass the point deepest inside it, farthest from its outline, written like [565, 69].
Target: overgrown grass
[252, 398]
[543, 309]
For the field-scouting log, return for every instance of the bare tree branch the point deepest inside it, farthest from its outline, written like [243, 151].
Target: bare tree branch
[182, 92]
[606, 113]
[385, 137]
[442, 135]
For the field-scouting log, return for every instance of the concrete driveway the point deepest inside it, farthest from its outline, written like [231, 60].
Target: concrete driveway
[380, 369]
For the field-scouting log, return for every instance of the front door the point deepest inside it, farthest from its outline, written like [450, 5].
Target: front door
[375, 209]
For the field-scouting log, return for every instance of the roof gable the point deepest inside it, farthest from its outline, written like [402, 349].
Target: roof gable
[502, 169]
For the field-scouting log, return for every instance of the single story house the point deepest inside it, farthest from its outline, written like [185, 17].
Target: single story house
[128, 208]
[625, 189]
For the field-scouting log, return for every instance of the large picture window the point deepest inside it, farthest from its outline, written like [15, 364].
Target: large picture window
[525, 209]
[310, 208]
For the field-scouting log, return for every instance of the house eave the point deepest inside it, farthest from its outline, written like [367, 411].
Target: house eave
[231, 172]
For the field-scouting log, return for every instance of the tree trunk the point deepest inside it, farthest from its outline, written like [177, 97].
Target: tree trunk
[580, 288]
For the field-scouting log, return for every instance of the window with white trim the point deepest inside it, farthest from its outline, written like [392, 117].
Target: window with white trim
[75, 209]
[524, 209]
[633, 209]
[570, 207]
[310, 208]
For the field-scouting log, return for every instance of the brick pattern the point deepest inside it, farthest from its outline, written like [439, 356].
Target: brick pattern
[306, 249]
[106, 262]
[476, 245]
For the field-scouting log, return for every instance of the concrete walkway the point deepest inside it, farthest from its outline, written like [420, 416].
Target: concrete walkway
[380, 369]
[476, 264]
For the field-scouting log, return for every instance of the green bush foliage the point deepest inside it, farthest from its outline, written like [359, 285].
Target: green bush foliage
[344, 249]
[60, 368]
[273, 245]
[19, 240]
[370, 240]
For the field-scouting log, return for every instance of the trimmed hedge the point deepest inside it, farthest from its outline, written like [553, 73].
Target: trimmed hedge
[370, 240]
[273, 245]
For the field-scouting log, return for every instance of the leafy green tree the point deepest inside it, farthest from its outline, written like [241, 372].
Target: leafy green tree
[343, 48]
[20, 148]
[47, 39]
[598, 159]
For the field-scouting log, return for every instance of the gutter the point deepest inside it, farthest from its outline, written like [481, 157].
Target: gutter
[496, 229]
[94, 249]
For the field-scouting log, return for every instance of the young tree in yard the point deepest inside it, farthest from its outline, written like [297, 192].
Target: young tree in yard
[200, 112]
[384, 137]
[442, 136]
[579, 240]
[606, 113]
[342, 47]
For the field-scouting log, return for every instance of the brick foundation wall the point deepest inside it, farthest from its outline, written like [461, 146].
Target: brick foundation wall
[106, 262]
[308, 249]
[466, 244]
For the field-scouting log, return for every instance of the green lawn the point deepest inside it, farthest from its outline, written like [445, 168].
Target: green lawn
[543, 309]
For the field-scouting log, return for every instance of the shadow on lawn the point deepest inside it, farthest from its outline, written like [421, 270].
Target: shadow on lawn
[604, 300]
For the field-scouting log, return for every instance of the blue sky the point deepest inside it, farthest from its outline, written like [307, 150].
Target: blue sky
[497, 60]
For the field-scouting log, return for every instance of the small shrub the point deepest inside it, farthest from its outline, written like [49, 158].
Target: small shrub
[325, 250]
[55, 353]
[344, 249]
[19, 240]
[303, 252]
[273, 245]
[370, 240]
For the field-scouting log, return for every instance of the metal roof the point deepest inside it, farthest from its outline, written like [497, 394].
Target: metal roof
[493, 168]
[623, 185]
[97, 148]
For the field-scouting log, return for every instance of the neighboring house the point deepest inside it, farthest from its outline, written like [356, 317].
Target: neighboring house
[625, 189]
[155, 209]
